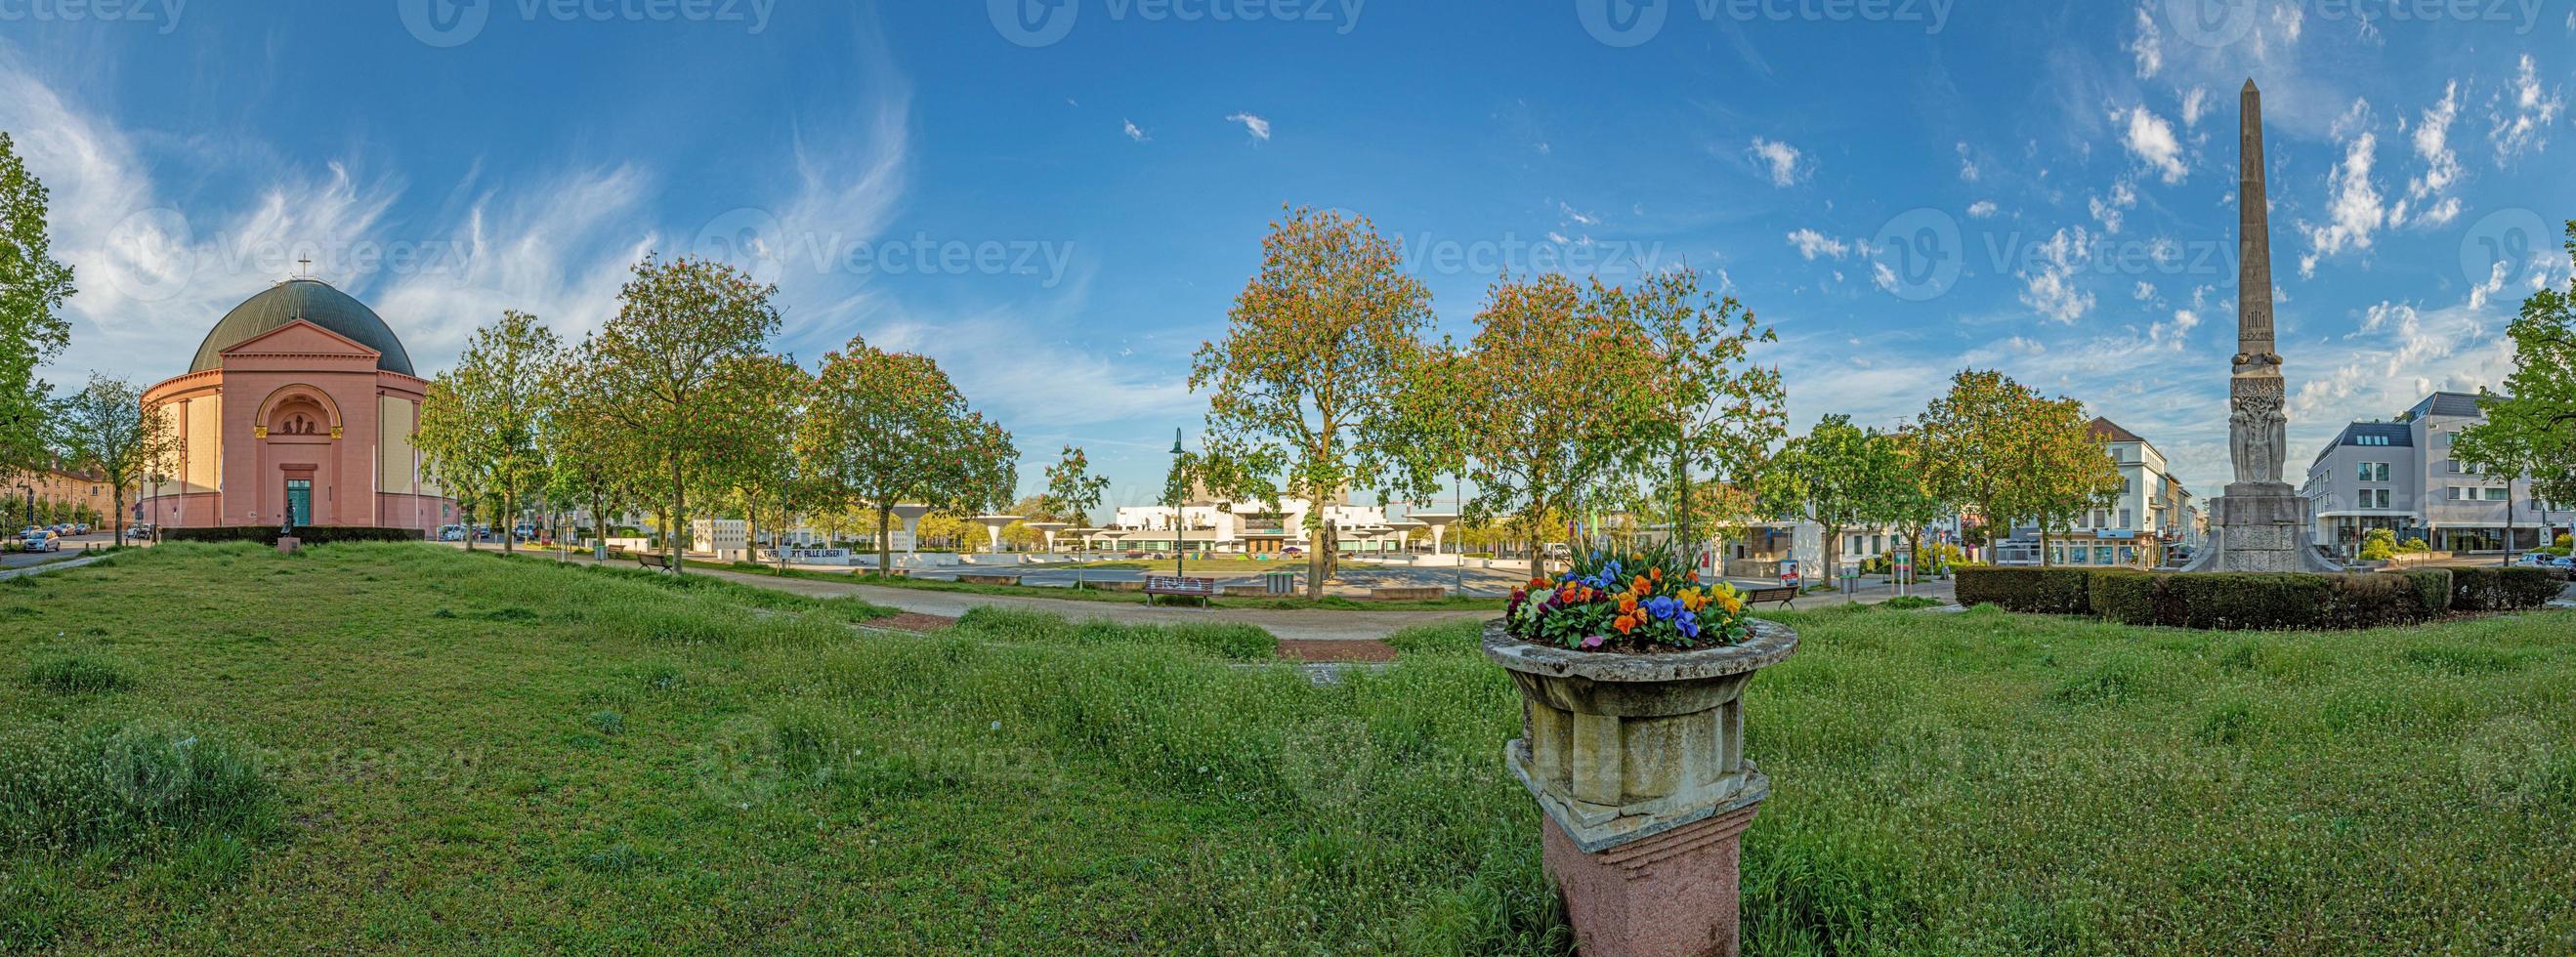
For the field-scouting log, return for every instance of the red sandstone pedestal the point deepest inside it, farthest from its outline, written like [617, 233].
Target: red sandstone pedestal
[1671, 895]
[1637, 762]
[287, 544]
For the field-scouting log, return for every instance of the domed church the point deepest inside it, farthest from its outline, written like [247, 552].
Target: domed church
[300, 401]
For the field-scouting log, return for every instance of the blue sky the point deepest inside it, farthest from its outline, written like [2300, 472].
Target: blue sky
[1059, 198]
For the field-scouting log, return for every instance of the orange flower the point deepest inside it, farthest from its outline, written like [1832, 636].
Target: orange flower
[1537, 583]
[1625, 624]
[1694, 578]
[1641, 586]
[1627, 604]
[1657, 574]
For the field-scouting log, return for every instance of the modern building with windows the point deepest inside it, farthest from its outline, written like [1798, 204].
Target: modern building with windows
[2141, 526]
[2400, 475]
[1211, 523]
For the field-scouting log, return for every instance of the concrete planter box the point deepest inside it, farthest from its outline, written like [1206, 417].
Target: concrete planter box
[1638, 763]
[1408, 593]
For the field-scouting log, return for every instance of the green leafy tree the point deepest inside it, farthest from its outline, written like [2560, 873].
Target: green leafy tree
[108, 428]
[1839, 476]
[1071, 490]
[499, 400]
[1968, 442]
[450, 446]
[886, 428]
[2061, 469]
[32, 330]
[2530, 426]
[763, 463]
[1703, 404]
[1308, 387]
[1911, 505]
[596, 463]
[687, 333]
[1539, 399]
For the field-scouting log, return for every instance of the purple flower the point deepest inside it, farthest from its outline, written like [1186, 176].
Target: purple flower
[1595, 641]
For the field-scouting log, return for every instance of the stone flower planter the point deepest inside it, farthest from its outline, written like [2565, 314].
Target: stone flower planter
[1638, 762]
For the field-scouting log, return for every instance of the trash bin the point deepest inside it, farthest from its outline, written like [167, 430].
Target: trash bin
[1279, 583]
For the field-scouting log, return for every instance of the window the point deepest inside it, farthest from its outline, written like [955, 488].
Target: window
[2370, 440]
[1851, 545]
[2124, 518]
[2373, 471]
[2374, 498]
[2498, 494]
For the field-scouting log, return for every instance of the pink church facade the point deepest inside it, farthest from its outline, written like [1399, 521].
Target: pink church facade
[299, 401]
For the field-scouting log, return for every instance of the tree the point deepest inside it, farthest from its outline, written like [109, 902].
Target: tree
[2530, 426]
[486, 432]
[450, 449]
[1838, 476]
[1912, 507]
[1533, 399]
[766, 410]
[32, 329]
[687, 332]
[2060, 469]
[108, 428]
[1308, 385]
[886, 428]
[1702, 404]
[595, 461]
[1967, 437]
[1071, 490]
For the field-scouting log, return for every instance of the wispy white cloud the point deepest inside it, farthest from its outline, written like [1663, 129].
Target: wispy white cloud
[2429, 193]
[2052, 291]
[2353, 206]
[1133, 132]
[1781, 160]
[1968, 169]
[1255, 125]
[2148, 45]
[1981, 209]
[2110, 210]
[2151, 139]
[2522, 114]
[1812, 244]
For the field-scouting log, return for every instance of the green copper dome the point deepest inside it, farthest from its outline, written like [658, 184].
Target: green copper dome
[311, 300]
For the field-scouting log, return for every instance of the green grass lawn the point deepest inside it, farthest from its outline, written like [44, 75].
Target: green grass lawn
[408, 747]
[866, 576]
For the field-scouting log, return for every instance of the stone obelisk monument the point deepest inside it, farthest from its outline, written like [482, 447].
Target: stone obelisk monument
[2261, 524]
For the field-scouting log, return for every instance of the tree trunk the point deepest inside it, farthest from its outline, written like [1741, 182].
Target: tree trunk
[1833, 549]
[885, 544]
[510, 535]
[1682, 497]
[679, 511]
[116, 522]
[1315, 559]
[599, 516]
[2043, 543]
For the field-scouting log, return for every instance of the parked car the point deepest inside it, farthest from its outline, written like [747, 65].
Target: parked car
[40, 540]
[138, 532]
[80, 528]
[2537, 560]
[451, 533]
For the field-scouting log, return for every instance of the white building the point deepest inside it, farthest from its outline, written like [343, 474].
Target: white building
[1250, 526]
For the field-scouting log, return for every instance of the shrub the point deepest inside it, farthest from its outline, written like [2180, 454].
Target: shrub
[313, 535]
[2502, 589]
[79, 674]
[2379, 546]
[2234, 600]
[2047, 591]
[2124, 596]
[2432, 589]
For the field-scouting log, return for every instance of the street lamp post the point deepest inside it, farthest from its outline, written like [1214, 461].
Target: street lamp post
[1180, 535]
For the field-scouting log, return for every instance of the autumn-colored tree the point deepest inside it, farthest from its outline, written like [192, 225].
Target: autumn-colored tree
[1307, 389]
[109, 429]
[1538, 399]
[885, 428]
[1703, 403]
[2530, 427]
[485, 432]
[1838, 475]
[763, 467]
[686, 333]
[32, 330]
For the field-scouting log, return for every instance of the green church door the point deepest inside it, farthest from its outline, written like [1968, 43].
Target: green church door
[299, 501]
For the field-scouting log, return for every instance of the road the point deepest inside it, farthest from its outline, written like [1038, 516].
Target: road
[72, 547]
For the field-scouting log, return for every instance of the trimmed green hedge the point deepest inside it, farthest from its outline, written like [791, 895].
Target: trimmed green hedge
[313, 535]
[2502, 589]
[2240, 601]
[2046, 591]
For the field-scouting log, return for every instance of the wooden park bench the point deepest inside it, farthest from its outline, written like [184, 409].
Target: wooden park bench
[1784, 594]
[653, 560]
[1199, 588]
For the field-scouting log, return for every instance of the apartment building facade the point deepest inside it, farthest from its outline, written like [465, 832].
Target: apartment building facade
[2401, 475]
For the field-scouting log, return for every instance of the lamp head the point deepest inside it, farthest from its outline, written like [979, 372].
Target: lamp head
[1176, 442]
